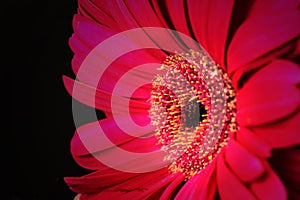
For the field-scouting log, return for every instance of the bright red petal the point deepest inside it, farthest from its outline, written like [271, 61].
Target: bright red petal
[92, 145]
[210, 23]
[263, 31]
[229, 186]
[103, 101]
[269, 187]
[87, 35]
[97, 11]
[269, 95]
[97, 181]
[280, 134]
[202, 186]
[171, 190]
[138, 10]
[138, 188]
[253, 143]
[244, 164]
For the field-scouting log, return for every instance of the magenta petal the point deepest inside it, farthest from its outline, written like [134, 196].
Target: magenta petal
[244, 164]
[177, 15]
[202, 186]
[106, 143]
[87, 35]
[229, 186]
[138, 10]
[90, 138]
[271, 94]
[263, 31]
[90, 33]
[122, 15]
[135, 16]
[97, 11]
[97, 181]
[270, 187]
[280, 134]
[210, 23]
[130, 67]
[170, 191]
[138, 188]
[102, 100]
[253, 143]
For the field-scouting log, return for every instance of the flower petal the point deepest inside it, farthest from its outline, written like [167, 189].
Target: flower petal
[88, 42]
[138, 188]
[87, 35]
[210, 23]
[177, 16]
[263, 31]
[107, 143]
[97, 11]
[253, 143]
[202, 186]
[280, 134]
[271, 94]
[245, 165]
[269, 187]
[103, 101]
[98, 181]
[170, 191]
[229, 186]
[91, 138]
[138, 10]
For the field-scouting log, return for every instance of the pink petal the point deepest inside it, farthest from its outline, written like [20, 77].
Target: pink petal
[98, 181]
[210, 24]
[177, 16]
[244, 164]
[98, 72]
[170, 191]
[87, 35]
[109, 145]
[132, 15]
[130, 67]
[97, 11]
[229, 186]
[93, 135]
[263, 31]
[90, 33]
[122, 15]
[138, 188]
[202, 186]
[103, 101]
[269, 187]
[271, 94]
[287, 51]
[252, 143]
[138, 10]
[280, 134]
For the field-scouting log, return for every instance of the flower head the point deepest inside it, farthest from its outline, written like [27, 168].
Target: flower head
[207, 118]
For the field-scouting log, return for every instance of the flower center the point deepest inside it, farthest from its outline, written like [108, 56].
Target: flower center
[193, 110]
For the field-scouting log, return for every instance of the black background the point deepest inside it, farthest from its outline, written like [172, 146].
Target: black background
[42, 124]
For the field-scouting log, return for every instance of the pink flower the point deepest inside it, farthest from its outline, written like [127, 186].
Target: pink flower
[255, 43]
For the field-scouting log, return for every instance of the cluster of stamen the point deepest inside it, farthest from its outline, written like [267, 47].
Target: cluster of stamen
[193, 110]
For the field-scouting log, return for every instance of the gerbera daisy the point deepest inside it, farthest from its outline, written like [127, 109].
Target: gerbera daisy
[219, 120]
